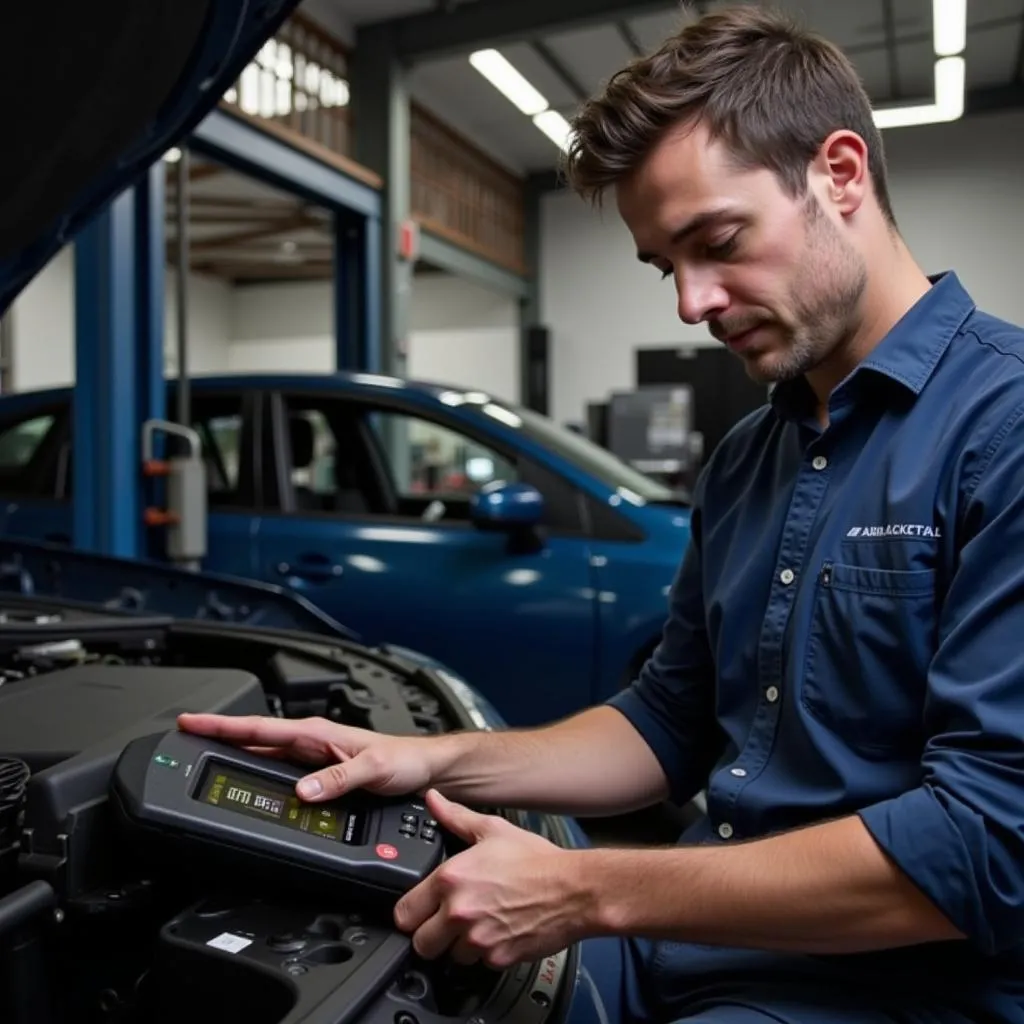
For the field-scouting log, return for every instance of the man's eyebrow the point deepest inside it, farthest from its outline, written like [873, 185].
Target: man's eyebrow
[700, 221]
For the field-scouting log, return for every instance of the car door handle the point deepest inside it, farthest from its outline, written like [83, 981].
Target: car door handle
[313, 570]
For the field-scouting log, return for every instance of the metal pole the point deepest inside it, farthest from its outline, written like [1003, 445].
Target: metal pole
[184, 398]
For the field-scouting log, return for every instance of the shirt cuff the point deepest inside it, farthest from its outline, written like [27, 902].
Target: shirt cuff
[664, 743]
[941, 846]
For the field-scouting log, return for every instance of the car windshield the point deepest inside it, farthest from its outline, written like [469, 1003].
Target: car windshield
[597, 461]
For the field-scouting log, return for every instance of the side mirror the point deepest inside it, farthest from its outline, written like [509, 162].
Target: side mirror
[504, 506]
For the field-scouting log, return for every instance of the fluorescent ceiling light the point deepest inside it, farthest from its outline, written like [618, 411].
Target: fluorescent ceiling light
[949, 27]
[949, 30]
[500, 73]
[555, 127]
[950, 75]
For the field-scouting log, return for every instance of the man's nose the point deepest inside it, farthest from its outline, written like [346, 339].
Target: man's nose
[700, 298]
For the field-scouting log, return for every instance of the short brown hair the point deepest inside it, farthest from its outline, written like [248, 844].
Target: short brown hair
[773, 91]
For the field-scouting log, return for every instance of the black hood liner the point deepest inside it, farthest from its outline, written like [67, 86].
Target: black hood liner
[95, 93]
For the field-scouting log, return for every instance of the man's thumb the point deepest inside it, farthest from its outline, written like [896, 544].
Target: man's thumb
[463, 822]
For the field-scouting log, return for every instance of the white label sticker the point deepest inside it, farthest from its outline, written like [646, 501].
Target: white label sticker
[229, 943]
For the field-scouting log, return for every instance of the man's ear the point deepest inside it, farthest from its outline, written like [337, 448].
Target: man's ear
[843, 172]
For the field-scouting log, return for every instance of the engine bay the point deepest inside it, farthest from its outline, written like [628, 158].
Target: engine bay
[98, 927]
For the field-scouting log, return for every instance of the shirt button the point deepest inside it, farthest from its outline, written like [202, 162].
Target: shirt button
[772, 694]
[740, 773]
[820, 462]
[725, 831]
[787, 576]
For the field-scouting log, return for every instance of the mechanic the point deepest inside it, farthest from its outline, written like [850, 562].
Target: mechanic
[842, 669]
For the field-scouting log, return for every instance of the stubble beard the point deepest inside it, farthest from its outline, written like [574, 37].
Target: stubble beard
[823, 302]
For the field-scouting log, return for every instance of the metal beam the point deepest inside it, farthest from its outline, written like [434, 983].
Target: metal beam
[356, 302]
[107, 479]
[630, 38]
[500, 22]
[439, 252]
[560, 69]
[994, 99]
[244, 147]
[381, 108]
[895, 87]
[533, 392]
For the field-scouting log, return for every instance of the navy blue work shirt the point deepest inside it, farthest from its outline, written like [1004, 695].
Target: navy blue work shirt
[846, 636]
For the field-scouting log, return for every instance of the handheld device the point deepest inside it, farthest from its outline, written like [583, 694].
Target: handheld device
[187, 793]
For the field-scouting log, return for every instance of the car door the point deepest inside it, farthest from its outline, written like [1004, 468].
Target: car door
[373, 525]
[228, 424]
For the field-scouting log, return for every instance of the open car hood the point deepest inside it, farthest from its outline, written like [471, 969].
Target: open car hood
[107, 89]
[150, 588]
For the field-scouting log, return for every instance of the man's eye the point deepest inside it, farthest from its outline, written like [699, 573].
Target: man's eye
[724, 249]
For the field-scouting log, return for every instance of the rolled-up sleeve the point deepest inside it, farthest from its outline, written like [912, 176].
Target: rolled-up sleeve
[959, 836]
[671, 703]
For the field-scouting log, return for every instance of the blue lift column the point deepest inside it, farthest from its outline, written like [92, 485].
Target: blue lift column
[357, 292]
[119, 262]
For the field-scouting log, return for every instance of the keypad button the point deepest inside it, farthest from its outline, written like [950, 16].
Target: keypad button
[428, 833]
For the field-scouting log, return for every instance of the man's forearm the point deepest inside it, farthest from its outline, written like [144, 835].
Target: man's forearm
[594, 763]
[824, 889]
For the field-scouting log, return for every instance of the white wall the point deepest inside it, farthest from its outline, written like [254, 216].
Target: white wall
[958, 192]
[460, 333]
[44, 325]
[282, 327]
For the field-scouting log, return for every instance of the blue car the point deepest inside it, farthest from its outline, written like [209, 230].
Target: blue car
[527, 558]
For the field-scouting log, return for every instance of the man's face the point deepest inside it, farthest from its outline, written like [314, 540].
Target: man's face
[774, 278]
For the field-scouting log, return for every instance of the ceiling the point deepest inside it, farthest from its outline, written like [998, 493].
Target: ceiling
[890, 41]
[244, 231]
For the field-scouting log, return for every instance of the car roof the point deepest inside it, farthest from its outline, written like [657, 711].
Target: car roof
[345, 382]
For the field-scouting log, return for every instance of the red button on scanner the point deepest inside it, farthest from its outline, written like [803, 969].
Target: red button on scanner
[387, 851]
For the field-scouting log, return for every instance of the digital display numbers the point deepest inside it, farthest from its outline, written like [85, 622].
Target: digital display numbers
[249, 794]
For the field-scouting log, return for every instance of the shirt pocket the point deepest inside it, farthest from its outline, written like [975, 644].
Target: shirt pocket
[870, 644]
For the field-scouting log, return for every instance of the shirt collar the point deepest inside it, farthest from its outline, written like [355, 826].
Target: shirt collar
[909, 353]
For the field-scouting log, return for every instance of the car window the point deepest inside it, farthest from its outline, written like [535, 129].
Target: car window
[21, 449]
[219, 421]
[427, 460]
[20, 442]
[328, 469]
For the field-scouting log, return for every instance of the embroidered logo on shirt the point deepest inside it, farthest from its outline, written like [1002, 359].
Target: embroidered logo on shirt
[896, 530]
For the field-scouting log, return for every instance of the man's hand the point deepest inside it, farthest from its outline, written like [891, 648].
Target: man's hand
[509, 898]
[355, 758]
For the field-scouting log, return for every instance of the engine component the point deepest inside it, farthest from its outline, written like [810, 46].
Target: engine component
[110, 943]
[317, 963]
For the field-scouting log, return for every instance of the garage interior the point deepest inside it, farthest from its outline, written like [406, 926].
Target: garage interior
[383, 426]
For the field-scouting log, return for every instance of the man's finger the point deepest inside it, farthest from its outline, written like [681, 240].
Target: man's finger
[252, 730]
[361, 772]
[418, 905]
[466, 824]
[434, 936]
